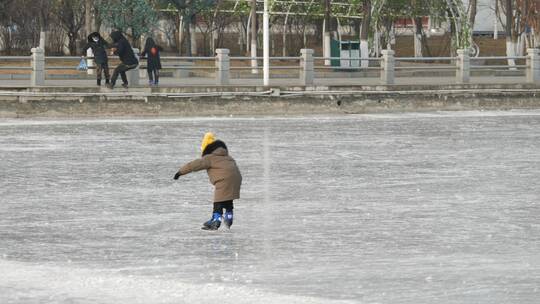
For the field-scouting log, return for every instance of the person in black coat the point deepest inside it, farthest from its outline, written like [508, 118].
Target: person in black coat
[123, 49]
[153, 60]
[98, 46]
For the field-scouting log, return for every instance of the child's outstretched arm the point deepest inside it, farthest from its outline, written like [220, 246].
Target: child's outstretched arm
[193, 166]
[85, 48]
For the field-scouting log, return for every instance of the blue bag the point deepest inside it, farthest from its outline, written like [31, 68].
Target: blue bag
[82, 65]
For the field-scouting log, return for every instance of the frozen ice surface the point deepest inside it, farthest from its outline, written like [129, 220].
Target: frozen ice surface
[408, 208]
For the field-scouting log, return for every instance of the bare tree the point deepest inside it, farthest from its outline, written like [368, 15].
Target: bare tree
[21, 27]
[71, 17]
[516, 24]
[211, 25]
[6, 26]
[88, 12]
[527, 23]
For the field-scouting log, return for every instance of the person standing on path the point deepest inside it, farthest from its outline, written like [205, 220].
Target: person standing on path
[123, 49]
[99, 46]
[153, 61]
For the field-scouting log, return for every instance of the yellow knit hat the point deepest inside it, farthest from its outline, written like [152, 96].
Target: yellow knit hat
[208, 139]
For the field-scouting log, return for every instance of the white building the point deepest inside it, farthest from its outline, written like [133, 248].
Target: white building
[486, 19]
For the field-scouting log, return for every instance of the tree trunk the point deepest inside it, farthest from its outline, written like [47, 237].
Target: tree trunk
[536, 37]
[213, 38]
[187, 35]
[473, 8]
[418, 33]
[286, 30]
[97, 19]
[510, 44]
[180, 33]
[389, 26]
[377, 43]
[326, 33]
[453, 31]
[42, 25]
[8, 46]
[304, 37]
[253, 26]
[72, 44]
[364, 33]
[284, 40]
[193, 37]
[495, 22]
[88, 17]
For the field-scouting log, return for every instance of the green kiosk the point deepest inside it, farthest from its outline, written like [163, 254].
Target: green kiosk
[345, 49]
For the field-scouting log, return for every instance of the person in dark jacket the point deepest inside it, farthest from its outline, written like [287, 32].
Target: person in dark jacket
[153, 61]
[223, 174]
[123, 49]
[98, 46]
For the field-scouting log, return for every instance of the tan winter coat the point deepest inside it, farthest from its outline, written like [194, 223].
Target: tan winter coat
[222, 172]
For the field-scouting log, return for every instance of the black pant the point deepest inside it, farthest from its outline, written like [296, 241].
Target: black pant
[219, 206]
[121, 69]
[153, 74]
[102, 68]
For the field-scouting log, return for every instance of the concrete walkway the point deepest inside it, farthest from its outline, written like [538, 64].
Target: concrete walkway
[430, 82]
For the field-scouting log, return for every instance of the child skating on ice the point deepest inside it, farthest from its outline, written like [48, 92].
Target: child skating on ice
[223, 174]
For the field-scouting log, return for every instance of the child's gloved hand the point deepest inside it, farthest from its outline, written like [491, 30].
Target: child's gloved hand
[177, 175]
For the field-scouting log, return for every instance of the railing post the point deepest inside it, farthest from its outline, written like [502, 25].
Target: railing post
[307, 71]
[133, 75]
[327, 47]
[223, 66]
[38, 67]
[533, 65]
[463, 74]
[388, 67]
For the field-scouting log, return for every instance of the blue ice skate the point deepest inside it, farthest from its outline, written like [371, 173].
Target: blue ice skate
[213, 223]
[228, 219]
